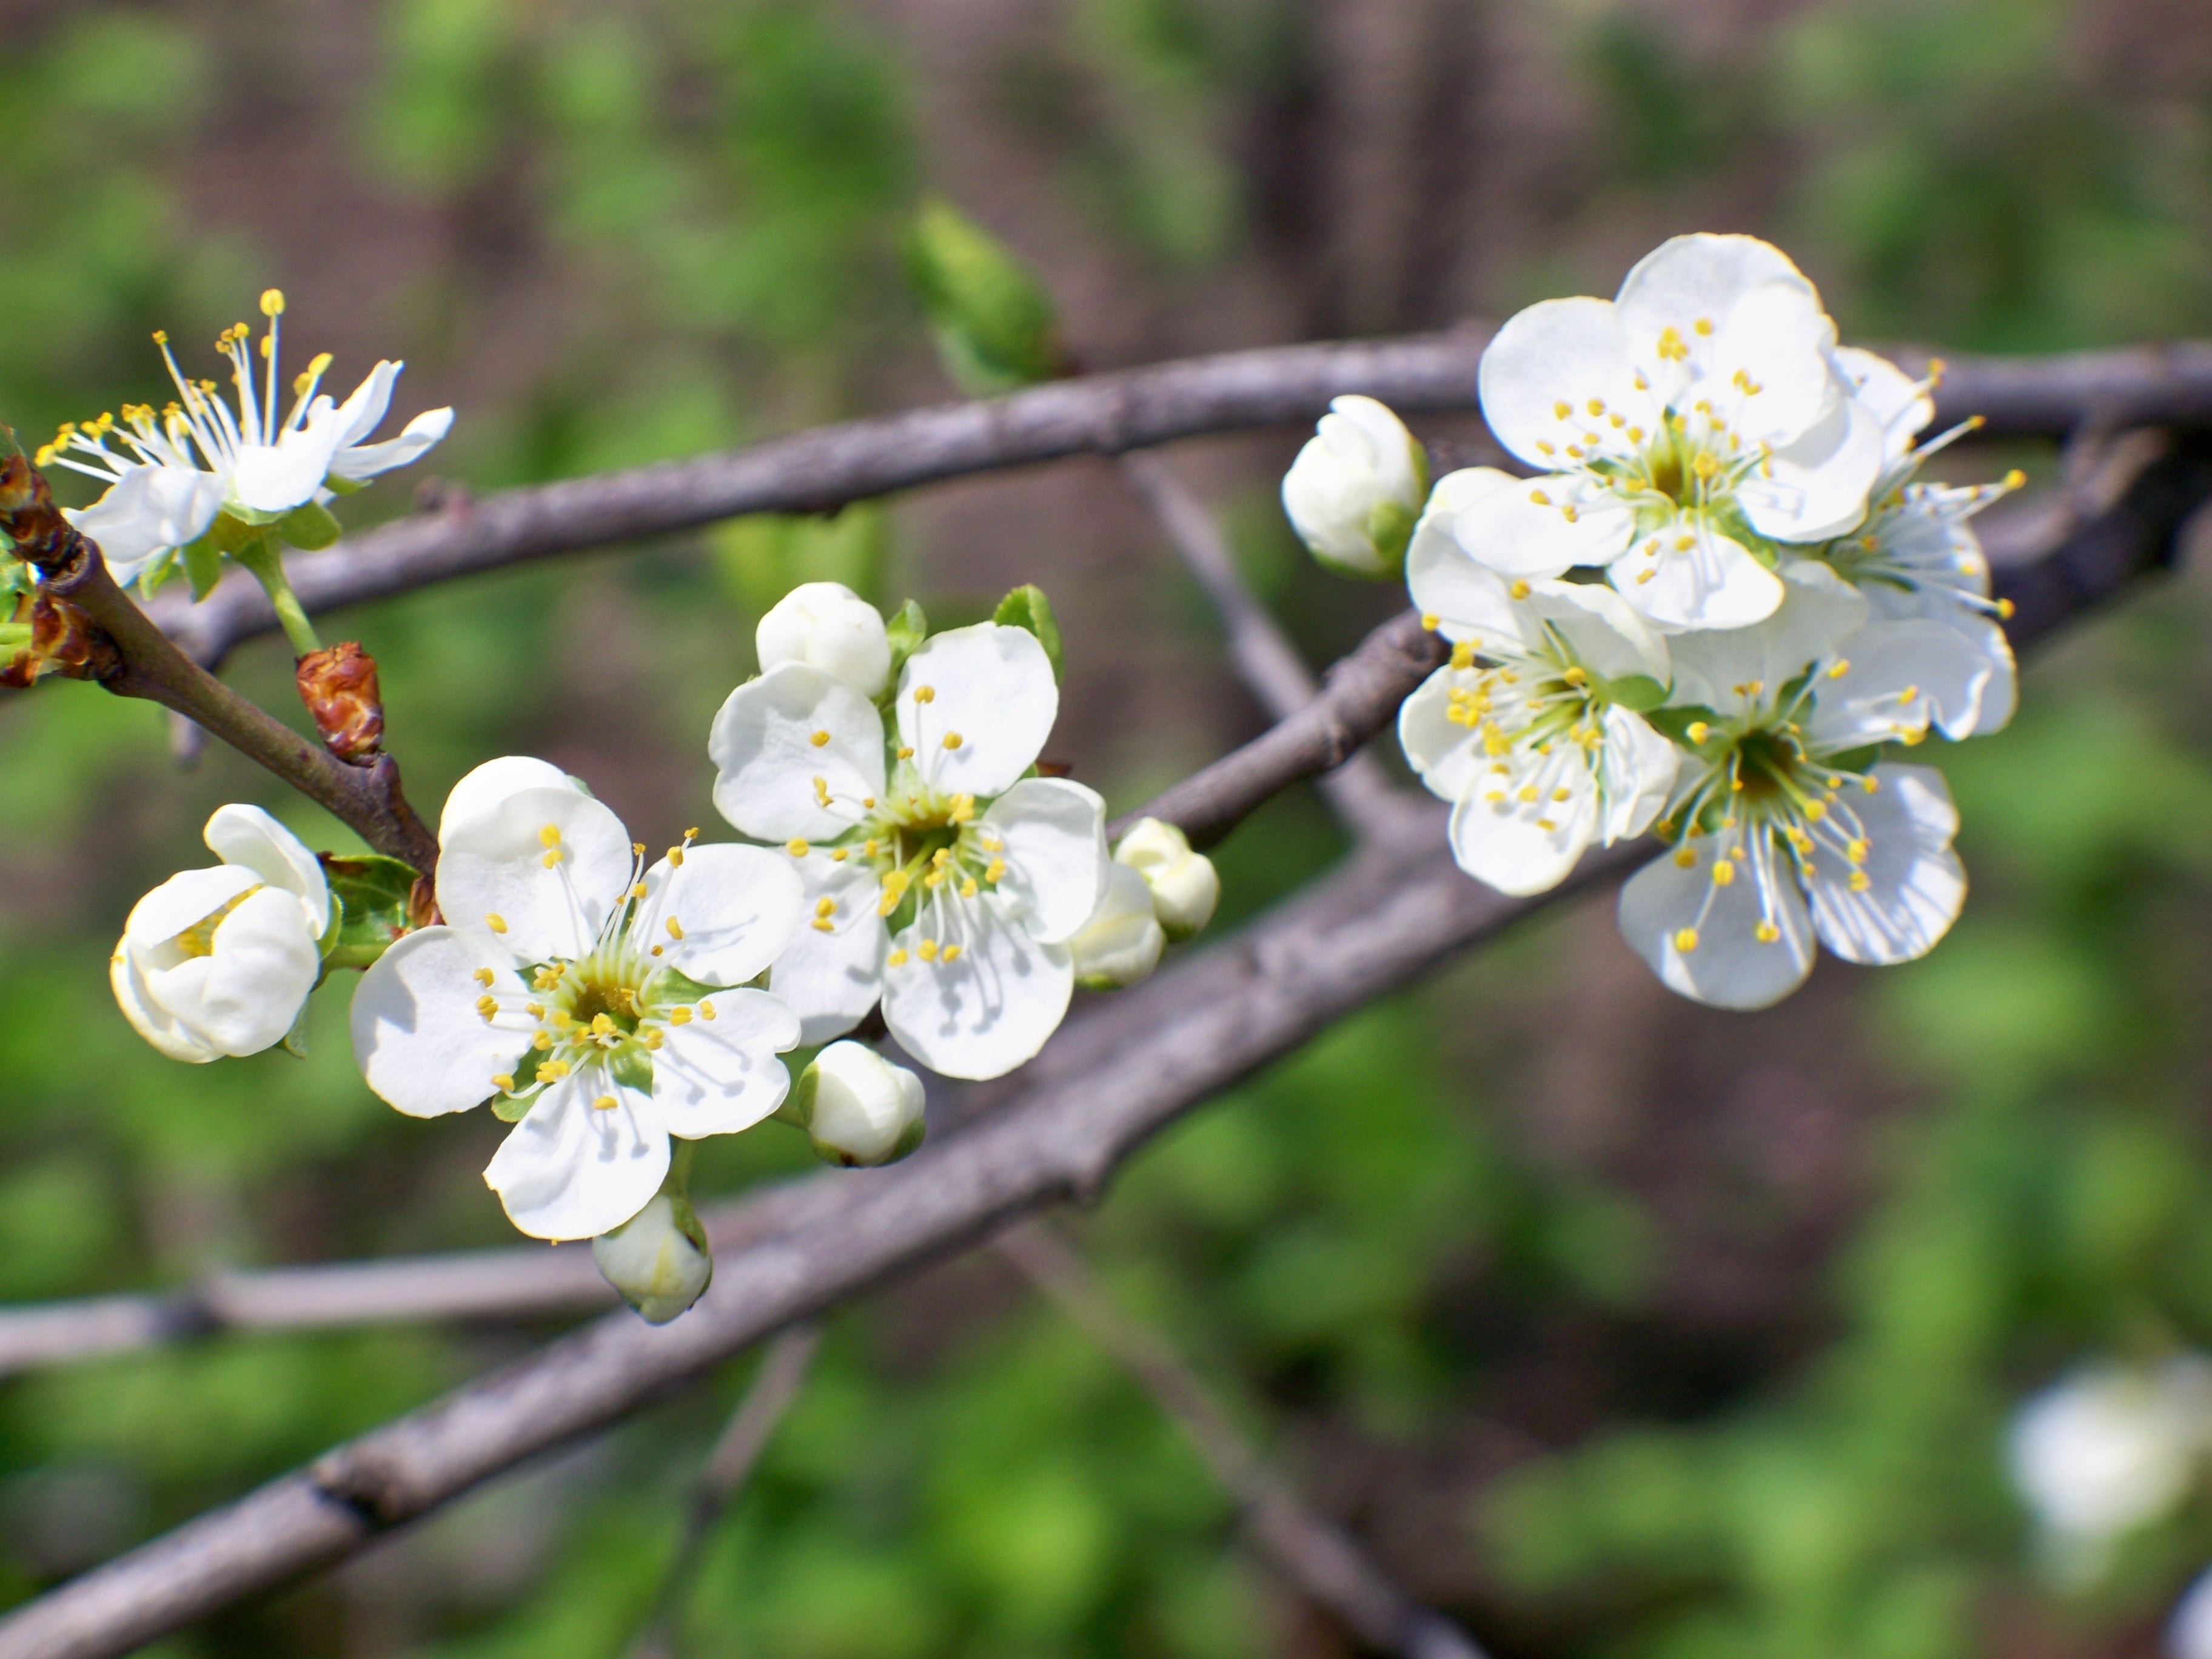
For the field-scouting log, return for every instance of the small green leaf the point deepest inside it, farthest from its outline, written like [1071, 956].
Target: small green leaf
[1027, 608]
[375, 891]
[295, 1040]
[338, 486]
[310, 527]
[994, 321]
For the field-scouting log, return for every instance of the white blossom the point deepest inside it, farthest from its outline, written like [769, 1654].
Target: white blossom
[858, 1109]
[2109, 1448]
[604, 1001]
[172, 474]
[2189, 1631]
[1530, 730]
[219, 961]
[1780, 841]
[922, 821]
[1356, 489]
[658, 1260]
[1687, 430]
[1123, 941]
[826, 625]
[1185, 886]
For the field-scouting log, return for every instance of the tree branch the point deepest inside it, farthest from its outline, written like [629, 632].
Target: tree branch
[1109, 414]
[1359, 790]
[1104, 1087]
[1317, 1556]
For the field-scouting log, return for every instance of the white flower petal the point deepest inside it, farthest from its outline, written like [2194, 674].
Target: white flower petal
[1541, 370]
[1686, 280]
[1055, 832]
[1522, 847]
[186, 899]
[1361, 460]
[1635, 770]
[247, 836]
[417, 1036]
[273, 479]
[830, 977]
[1471, 600]
[1778, 341]
[1443, 754]
[1916, 885]
[168, 1034]
[985, 1013]
[363, 412]
[1121, 942]
[766, 759]
[737, 909]
[244, 996]
[715, 1077]
[483, 789]
[1900, 404]
[1899, 677]
[1545, 526]
[992, 704]
[1819, 611]
[1667, 906]
[416, 439]
[1816, 487]
[1602, 631]
[494, 873]
[570, 1168]
[828, 626]
[1713, 584]
[148, 510]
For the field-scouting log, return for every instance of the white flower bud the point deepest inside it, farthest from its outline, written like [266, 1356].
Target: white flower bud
[659, 1259]
[1185, 886]
[826, 625]
[2189, 1631]
[1123, 941]
[858, 1108]
[219, 961]
[2108, 1448]
[1356, 489]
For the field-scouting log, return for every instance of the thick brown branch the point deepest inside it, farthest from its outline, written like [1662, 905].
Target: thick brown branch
[1100, 1090]
[1109, 414]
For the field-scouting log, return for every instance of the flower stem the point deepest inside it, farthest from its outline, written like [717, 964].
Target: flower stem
[261, 557]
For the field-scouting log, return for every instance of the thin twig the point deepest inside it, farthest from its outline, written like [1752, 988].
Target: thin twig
[1360, 792]
[1317, 1556]
[742, 1441]
[1382, 920]
[1109, 414]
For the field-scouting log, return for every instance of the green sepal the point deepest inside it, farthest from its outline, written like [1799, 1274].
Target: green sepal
[203, 562]
[372, 892]
[797, 1108]
[1389, 528]
[310, 527]
[154, 577]
[1638, 692]
[667, 986]
[338, 486]
[633, 1068]
[512, 1108]
[295, 1040]
[906, 630]
[995, 322]
[1027, 608]
[1675, 723]
[1853, 760]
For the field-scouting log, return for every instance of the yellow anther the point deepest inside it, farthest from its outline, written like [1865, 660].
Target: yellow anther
[2014, 479]
[905, 753]
[2005, 608]
[554, 1069]
[1462, 656]
[549, 835]
[967, 888]
[1540, 498]
[796, 848]
[1816, 809]
[1766, 932]
[1697, 732]
[823, 924]
[543, 1041]
[896, 959]
[1860, 881]
[1687, 940]
[1563, 409]
[638, 891]
[691, 834]
[1570, 514]
[486, 1008]
[1576, 677]
[494, 921]
[272, 303]
[1597, 405]
[551, 860]
[1519, 589]
[940, 858]
[1724, 873]
[1670, 348]
[652, 1039]
[951, 953]
[1704, 466]
[1563, 794]
[820, 739]
[927, 949]
[535, 1010]
[676, 858]
[1644, 576]
[675, 928]
[1686, 857]
[1704, 326]
[963, 809]
[602, 1024]
[868, 848]
[484, 976]
[605, 1104]
[637, 849]
[1526, 794]
[504, 1082]
[925, 694]
[995, 871]
[825, 906]
[1841, 667]
[1431, 622]
[951, 739]
[679, 1015]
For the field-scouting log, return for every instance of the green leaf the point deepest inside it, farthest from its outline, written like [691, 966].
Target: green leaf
[1026, 607]
[338, 486]
[1639, 692]
[375, 891]
[310, 527]
[994, 321]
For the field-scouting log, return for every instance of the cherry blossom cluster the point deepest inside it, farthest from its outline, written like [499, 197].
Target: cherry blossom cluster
[1720, 601]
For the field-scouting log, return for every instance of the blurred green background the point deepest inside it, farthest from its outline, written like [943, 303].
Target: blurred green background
[1613, 1325]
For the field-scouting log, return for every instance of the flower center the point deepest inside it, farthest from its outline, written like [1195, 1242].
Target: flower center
[198, 940]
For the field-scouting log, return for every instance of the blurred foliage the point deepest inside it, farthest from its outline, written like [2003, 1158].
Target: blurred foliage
[661, 226]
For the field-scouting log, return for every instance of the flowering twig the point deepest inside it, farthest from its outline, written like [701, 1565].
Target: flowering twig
[1315, 1554]
[783, 1373]
[1100, 1089]
[1359, 790]
[148, 664]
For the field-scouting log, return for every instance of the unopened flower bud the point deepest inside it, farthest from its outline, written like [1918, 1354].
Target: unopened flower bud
[1185, 886]
[338, 684]
[1355, 489]
[858, 1108]
[1123, 941]
[2111, 1448]
[828, 626]
[659, 1259]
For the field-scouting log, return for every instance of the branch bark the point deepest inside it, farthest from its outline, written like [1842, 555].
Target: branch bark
[1315, 1554]
[1110, 1082]
[1109, 414]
